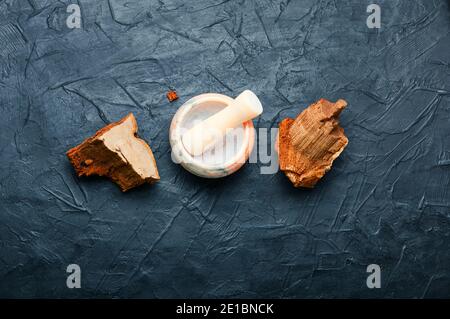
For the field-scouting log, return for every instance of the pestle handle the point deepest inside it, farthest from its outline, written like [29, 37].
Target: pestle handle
[204, 135]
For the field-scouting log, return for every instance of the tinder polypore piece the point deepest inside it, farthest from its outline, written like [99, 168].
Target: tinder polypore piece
[116, 152]
[309, 144]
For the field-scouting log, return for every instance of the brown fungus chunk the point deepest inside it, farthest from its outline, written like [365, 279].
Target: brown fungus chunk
[115, 152]
[309, 144]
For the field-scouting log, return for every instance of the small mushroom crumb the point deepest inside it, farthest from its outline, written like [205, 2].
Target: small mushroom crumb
[172, 95]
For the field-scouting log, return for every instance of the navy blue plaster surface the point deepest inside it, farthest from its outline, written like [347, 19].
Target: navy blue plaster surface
[386, 200]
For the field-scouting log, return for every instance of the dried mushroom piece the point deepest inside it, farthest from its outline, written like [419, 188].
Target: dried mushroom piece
[309, 144]
[172, 95]
[115, 152]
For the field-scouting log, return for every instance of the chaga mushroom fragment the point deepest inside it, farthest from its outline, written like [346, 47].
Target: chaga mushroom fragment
[172, 96]
[308, 145]
[115, 152]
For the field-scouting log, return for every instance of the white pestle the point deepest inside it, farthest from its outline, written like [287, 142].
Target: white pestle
[204, 135]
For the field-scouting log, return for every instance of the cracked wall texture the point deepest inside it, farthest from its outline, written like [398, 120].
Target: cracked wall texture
[386, 200]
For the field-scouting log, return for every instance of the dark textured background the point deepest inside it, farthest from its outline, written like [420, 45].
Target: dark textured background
[386, 200]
